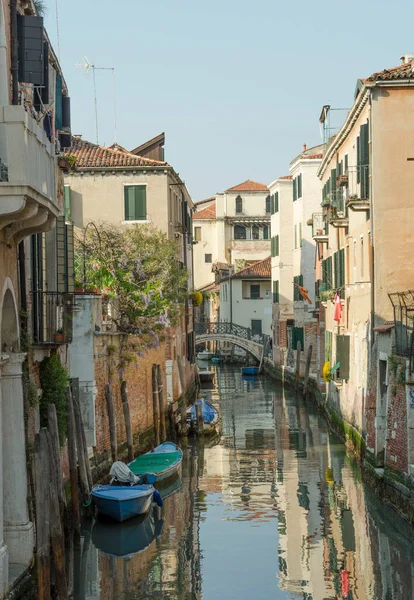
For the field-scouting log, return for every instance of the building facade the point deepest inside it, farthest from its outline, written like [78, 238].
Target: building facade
[246, 300]
[112, 185]
[233, 227]
[34, 123]
[293, 199]
[366, 179]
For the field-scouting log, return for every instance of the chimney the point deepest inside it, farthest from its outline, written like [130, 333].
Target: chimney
[304, 147]
[407, 58]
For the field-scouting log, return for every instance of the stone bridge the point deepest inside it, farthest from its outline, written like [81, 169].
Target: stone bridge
[238, 335]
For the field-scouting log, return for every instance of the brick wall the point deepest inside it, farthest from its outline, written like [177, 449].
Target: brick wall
[397, 446]
[138, 375]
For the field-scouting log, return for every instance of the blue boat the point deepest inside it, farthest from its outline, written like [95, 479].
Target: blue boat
[122, 502]
[216, 359]
[211, 417]
[250, 371]
[159, 464]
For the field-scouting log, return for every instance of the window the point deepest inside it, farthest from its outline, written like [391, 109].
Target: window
[362, 258]
[254, 292]
[135, 202]
[297, 336]
[197, 234]
[295, 190]
[299, 185]
[65, 256]
[255, 232]
[239, 205]
[268, 204]
[265, 232]
[296, 236]
[276, 209]
[346, 163]
[256, 327]
[327, 273]
[275, 292]
[208, 258]
[240, 232]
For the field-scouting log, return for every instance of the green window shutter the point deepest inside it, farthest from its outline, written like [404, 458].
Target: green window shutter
[333, 180]
[61, 254]
[342, 355]
[336, 267]
[342, 271]
[58, 102]
[70, 258]
[276, 202]
[358, 158]
[329, 272]
[295, 190]
[136, 203]
[275, 292]
[265, 232]
[300, 235]
[67, 198]
[272, 204]
[364, 147]
[297, 336]
[277, 246]
[346, 163]
[300, 186]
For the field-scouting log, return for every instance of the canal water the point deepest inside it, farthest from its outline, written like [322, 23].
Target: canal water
[274, 509]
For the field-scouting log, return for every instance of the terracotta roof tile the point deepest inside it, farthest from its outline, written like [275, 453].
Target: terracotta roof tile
[205, 213]
[204, 201]
[405, 71]
[92, 155]
[249, 186]
[262, 268]
[286, 177]
[313, 156]
[220, 266]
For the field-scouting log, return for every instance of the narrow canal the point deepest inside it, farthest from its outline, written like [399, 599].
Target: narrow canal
[273, 509]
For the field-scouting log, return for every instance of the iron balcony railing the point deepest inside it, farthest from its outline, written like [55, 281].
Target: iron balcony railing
[358, 183]
[319, 225]
[338, 203]
[52, 314]
[220, 328]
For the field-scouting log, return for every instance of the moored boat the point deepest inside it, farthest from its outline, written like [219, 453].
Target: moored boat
[250, 371]
[159, 464]
[205, 355]
[216, 359]
[206, 375]
[122, 502]
[210, 414]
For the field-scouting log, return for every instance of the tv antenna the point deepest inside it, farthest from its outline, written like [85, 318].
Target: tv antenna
[87, 66]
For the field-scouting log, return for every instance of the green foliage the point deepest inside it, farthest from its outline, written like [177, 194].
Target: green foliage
[197, 298]
[139, 267]
[40, 6]
[54, 382]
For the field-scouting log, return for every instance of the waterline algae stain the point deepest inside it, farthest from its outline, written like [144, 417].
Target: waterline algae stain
[273, 508]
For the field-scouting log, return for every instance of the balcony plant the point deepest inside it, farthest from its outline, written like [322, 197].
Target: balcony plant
[326, 371]
[58, 336]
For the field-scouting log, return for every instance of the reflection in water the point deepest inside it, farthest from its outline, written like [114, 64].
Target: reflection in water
[272, 509]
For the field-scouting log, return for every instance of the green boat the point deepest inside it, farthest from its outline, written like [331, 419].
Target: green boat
[159, 464]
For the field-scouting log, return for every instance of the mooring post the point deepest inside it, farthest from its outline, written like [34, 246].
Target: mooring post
[73, 470]
[307, 370]
[155, 405]
[112, 422]
[127, 418]
[298, 349]
[42, 475]
[161, 399]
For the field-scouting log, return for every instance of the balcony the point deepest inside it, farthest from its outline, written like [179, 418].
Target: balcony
[52, 314]
[319, 228]
[28, 182]
[358, 196]
[338, 216]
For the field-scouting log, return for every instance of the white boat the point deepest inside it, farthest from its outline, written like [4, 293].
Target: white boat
[205, 355]
[206, 375]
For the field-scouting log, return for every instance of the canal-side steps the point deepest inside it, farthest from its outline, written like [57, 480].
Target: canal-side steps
[391, 486]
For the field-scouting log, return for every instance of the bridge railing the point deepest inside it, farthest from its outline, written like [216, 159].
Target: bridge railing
[221, 328]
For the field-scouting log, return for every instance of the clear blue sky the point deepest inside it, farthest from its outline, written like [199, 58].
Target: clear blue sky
[236, 86]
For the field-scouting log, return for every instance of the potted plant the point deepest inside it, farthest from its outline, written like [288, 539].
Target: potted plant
[58, 336]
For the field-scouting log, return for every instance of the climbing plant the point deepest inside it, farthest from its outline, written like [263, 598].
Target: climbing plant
[139, 268]
[54, 382]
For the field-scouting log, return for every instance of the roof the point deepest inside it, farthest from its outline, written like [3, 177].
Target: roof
[314, 156]
[209, 287]
[205, 213]
[249, 186]
[385, 327]
[205, 201]
[405, 71]
[220, 266]
[91, 155]
[286, 177]
[260, 269]
[158, 140]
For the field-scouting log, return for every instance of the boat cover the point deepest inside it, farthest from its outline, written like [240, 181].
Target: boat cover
[208, 411]
[154, 463]
[122, 475]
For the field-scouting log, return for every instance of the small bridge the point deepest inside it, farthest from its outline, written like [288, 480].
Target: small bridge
[255, 344]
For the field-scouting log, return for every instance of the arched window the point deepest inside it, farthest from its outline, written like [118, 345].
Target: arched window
[239, 204]
[239, 232]
[268, 204]
[255, 232]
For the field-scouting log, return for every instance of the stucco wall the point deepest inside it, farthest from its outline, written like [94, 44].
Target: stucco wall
[245, 310]
[207, 245]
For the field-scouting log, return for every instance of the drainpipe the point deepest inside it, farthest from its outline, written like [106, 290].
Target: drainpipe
[372, 257]
[14, 51]
[231, 294]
